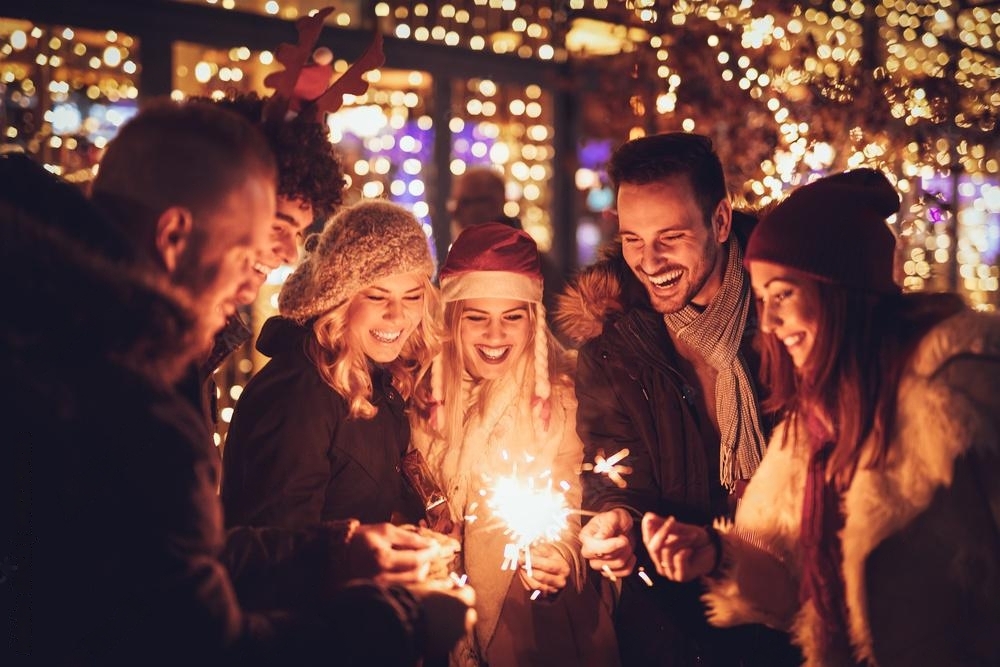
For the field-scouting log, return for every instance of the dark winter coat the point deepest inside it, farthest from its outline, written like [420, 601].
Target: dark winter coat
[294, 458]
[110, 525]
[633, 396]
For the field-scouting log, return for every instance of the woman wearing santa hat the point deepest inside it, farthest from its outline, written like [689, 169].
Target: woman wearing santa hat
[505, 405]
[871, 529]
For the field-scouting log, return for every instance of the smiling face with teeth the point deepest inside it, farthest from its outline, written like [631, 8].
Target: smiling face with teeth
[675, 254]
[493, 335]
[292, 218]
[382, 316]
[788, 305]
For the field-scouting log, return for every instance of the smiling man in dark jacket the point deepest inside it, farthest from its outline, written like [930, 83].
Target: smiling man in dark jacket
[666, 372]
[112, 529]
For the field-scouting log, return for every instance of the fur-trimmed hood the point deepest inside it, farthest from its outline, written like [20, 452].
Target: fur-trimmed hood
[598, 294]
[79, 297]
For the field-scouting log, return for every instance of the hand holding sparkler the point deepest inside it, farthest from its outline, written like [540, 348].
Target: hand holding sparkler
[608, 544]
[533, 512]
[390, 554]
[549, 569]
[680, 551]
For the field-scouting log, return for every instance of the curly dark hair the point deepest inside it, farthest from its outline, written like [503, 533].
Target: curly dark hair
[308, 165]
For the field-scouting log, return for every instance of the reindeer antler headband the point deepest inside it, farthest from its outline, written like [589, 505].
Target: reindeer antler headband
[293, 84]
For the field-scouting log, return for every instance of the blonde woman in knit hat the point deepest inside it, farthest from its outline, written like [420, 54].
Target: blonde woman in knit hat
[320, 431]
[871, 529]
[505, 395]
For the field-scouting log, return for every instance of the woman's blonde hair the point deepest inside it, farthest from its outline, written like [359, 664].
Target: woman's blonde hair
[343, 365]
[549, 359]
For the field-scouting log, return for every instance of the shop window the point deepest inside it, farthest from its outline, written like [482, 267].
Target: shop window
[65, 91]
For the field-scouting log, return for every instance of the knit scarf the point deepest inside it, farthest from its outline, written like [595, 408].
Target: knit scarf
[716, 333]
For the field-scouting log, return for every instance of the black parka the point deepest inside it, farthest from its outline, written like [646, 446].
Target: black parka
[111, 538]
[293, 457]
[632, 395]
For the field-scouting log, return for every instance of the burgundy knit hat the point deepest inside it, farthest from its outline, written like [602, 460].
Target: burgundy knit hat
[833, 230]
[492, 260]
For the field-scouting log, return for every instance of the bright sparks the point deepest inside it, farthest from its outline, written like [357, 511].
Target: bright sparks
[609, 466]
[530, 509]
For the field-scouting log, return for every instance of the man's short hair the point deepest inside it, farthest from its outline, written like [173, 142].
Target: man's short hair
[187, 154]
[662, 157]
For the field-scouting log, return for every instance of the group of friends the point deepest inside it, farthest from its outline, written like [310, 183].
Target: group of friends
[808, 458]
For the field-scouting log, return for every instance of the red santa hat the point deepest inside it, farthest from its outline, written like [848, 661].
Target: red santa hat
[494, 260]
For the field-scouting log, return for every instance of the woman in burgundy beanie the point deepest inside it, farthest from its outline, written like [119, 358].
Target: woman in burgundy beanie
[872, 507]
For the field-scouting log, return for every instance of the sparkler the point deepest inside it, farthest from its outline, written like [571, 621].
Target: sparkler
[609, 466]
[531, 510]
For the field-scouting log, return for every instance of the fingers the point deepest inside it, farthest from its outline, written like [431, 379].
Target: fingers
[614, 547]
[550, 566]
[676, 565]
[540, 581]
[401, 538]
[607, 524]
[655, 531]
[618, 563]
[651, 523]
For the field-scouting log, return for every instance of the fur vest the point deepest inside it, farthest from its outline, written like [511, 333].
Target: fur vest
[921, 540]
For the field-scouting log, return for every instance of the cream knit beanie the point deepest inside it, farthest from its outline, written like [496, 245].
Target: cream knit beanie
[362, 244]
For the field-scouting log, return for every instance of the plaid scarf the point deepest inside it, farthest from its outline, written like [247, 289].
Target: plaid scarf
[716, 333]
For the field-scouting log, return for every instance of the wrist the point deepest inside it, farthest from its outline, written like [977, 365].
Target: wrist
[715, 540]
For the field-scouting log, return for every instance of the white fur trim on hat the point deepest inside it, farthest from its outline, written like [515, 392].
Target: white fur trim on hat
[490, 285]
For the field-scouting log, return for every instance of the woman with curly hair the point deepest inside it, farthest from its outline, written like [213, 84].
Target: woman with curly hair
[310, 181]
[320, 432]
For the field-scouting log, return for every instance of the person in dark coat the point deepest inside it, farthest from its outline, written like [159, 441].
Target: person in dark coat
[112, 526]
[320, 432]
[666, 372]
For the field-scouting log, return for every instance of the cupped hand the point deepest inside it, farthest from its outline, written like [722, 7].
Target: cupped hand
[608, 544]
[680, 551]
[549, 569]
[390, 554]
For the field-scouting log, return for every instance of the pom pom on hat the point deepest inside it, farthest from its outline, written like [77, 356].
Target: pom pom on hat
[492, 260]
[833, 230]
[361, 245]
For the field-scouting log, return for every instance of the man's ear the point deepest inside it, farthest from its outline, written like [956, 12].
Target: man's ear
[722, 220]
[173, 229]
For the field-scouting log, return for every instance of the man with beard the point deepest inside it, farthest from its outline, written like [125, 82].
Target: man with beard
[666, 372]
[112, 523]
